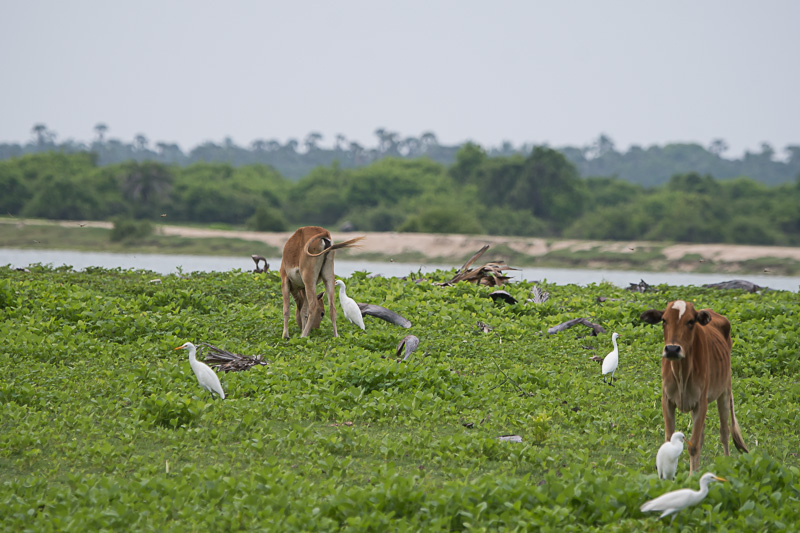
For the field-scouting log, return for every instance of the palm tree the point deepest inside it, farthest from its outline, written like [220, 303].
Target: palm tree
[101, 130]
[41, 133]
[141, 142]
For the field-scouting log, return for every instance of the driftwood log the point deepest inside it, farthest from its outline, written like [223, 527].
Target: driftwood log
[225, 361]
[735, 284]
[642, 286]
[596, 328]
[257, 260]
[384, 314]
[490, 274]
[407, 346]
[503, 296]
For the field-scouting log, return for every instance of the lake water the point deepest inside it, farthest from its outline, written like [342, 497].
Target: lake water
[171, 264]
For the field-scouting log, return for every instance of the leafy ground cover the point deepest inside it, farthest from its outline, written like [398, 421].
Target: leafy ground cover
[103, 425]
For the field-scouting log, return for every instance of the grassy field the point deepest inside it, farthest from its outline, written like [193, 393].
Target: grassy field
[104, 427]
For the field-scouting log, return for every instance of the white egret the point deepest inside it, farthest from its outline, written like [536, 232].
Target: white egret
[672, 502]
[668, 455]
[205, 376]
[611, 360]
[349, 306]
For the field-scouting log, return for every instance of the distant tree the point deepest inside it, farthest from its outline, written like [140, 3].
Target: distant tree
[718, 147]
[767, 151]
[40, 130]
[311, 141]
[141, 142]
[357, 150]
[101, 129]
[793, 152]
[469, 159]
[258, 145]
[291, 145]
[273, 145]
[341, 142]
[428, 140]
[602, 146]
[145, 185]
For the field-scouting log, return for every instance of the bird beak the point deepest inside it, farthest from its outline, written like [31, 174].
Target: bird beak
[179, 348]
[720, 478]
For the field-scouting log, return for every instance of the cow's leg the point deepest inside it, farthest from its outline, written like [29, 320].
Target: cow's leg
[698, 433]
[309, 309]
[285, 291]
[300, 310]
[668, 410]
[723, 404]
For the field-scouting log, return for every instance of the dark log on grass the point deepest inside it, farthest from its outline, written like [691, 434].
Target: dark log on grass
[503, 296]
[257, 259]
[407, 346]
[735, 284]
[596, 328]
[642, 286]
[384, 314]
[225, 361]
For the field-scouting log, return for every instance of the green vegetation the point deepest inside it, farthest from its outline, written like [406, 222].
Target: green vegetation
[103, 425]
[540, 194]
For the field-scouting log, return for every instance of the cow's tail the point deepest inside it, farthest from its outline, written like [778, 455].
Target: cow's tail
[736, 431]
[329, 247]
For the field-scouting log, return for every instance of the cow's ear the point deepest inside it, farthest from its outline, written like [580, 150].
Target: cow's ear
[703, 318]
[320, 295]
[652, 316]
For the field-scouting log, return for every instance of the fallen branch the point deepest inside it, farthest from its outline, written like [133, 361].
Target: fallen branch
[596, 328]
[407, 345]
[384, 314]
[735, 284]
[642, 286]
[225, 361]
[490, 274]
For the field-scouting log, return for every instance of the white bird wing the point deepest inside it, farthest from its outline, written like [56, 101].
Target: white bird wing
[208, 379]
[352, 312]
[610, 363]
[675, 500]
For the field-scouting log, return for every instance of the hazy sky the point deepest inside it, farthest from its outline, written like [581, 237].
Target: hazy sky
[556, 72]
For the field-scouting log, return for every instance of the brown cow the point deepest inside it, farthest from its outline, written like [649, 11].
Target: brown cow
[308, 259]
[696, 370]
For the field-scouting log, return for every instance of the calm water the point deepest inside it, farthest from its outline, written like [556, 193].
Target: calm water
[170, 264]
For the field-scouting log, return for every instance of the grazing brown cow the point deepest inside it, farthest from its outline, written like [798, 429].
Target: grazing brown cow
[308, 259]
[696, 370]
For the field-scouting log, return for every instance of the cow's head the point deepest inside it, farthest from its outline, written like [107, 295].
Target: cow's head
[316, 318]
[680, 319]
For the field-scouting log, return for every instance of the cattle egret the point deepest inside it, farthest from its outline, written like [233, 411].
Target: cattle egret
[668, 455]
[672, 502]
[611, 360]
[349, 306]
[205, 376]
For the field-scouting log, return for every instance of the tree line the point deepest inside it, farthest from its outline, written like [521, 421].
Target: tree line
[648, 166]
[540, 193]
